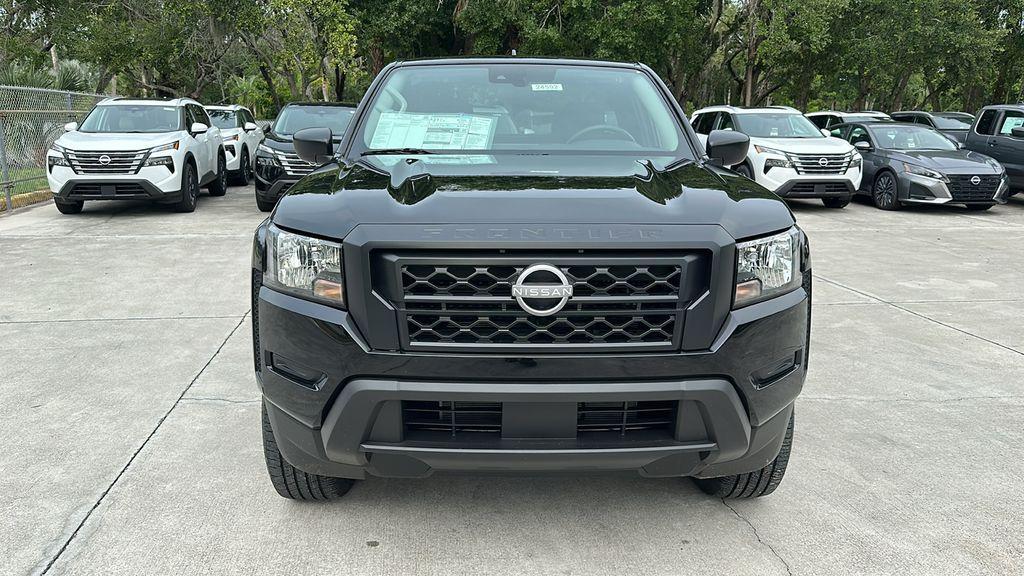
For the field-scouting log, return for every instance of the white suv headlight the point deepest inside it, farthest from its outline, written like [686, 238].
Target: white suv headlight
[165, 147]
[304, 266]
[767, 267]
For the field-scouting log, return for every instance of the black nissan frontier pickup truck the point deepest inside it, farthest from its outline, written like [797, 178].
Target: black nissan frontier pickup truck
[527, 265]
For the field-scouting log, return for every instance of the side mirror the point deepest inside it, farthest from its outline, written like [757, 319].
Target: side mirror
[314, 145]
[198, 128]
[266, 129]
[1017, 132]
[71, 126]
[826, 133]
[250, 126]
[862, 145]
[727, 147]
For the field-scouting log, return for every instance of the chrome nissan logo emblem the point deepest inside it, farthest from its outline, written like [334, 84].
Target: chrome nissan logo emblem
[822, 161]
[104, 159]
[558, 293]
[976, 180]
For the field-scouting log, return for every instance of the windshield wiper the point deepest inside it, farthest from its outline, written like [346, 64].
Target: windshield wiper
[396, 151]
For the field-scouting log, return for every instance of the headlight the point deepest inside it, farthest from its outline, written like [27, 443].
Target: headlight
[57, 148]
[856, 162]
[232, 138]
[305, 266]
[165, 147]
[922, 171]
[767, 267]
[766, 150]
[52, 161]
[265, 156]
[167, 161]
[776, 163]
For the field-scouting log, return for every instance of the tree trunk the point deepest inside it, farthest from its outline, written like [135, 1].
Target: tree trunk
[269, 79]
[339, 83]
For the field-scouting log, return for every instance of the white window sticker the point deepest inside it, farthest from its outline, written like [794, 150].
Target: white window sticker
[433, 131]
[546, 87]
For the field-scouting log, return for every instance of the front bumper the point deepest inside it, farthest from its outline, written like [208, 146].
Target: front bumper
[788, 183]
[924, 190]
[273, 189]
[114, 189]
[336, 406]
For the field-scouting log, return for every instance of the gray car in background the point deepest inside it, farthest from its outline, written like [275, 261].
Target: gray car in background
[953, 124]
[999, 132]
[910, 163]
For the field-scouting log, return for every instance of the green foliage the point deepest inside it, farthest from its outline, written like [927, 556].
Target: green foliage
[847, 54]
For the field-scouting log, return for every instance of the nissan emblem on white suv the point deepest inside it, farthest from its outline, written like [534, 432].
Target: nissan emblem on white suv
[522, 291]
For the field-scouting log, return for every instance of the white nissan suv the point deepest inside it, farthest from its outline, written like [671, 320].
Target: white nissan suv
[788, 154]
[241, 135]
[159, 150]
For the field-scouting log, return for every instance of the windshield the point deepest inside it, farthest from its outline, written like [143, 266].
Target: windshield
[132, 118]
[777, 125]
[223, 118]
[521, 108]
[951, 123]
[902, 137]
[295, 118]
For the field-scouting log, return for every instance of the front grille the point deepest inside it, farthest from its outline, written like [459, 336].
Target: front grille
[593, 419]
[962, 190]
[120, 162]
[616, 302]
[815, 188]
[821, 163]
[119, 189]
[293, 165]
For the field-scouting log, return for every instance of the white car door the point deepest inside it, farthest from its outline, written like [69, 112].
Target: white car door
[252, 137]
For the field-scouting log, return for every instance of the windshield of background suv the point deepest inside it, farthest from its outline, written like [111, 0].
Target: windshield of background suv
[521, 108]
[223, 118]
[777, 125]
[295, 118]
[897, 137]
[132, 118]
[951, 123]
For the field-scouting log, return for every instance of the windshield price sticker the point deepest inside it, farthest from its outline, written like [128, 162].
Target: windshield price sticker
[433, 131]
[546, 87]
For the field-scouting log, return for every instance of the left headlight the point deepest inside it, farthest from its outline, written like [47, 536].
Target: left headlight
[767, 267]
[922, 171]
[163, 147]
[305, 266]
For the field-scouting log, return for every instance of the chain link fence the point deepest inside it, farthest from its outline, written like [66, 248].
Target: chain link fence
[30, 120]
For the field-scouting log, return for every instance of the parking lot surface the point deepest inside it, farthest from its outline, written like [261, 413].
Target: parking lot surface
[130, 420]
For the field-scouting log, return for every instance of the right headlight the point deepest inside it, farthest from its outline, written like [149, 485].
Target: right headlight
[767, 267]
[305, 266]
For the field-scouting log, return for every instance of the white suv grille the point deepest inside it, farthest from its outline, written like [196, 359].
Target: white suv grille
[98, 162]
[821, 163]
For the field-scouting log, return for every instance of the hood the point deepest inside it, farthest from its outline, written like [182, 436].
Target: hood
[110, 141]
[824, 145]
[483, 189]
[949, 161]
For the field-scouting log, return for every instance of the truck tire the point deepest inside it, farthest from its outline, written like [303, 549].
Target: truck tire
[293, 483]
[752, 484]
[219, 185]
[72, 207]
[189, 189]
[265, 205]
[839, 202]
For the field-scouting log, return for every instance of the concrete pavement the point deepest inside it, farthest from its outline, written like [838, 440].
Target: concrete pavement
[132, 446]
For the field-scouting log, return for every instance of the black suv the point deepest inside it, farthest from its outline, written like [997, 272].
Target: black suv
[277, 164]
[527, 265]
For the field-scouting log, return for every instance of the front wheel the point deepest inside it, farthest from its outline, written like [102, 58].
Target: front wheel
[840, 202]
[70, 207]
[752, 484]
[189, 189]
[885, 192]
[293, 483]
[243, 176]
[219, 186]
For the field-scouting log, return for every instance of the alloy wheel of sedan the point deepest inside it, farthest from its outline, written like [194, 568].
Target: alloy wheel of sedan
[884, 192]
[246, 168]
